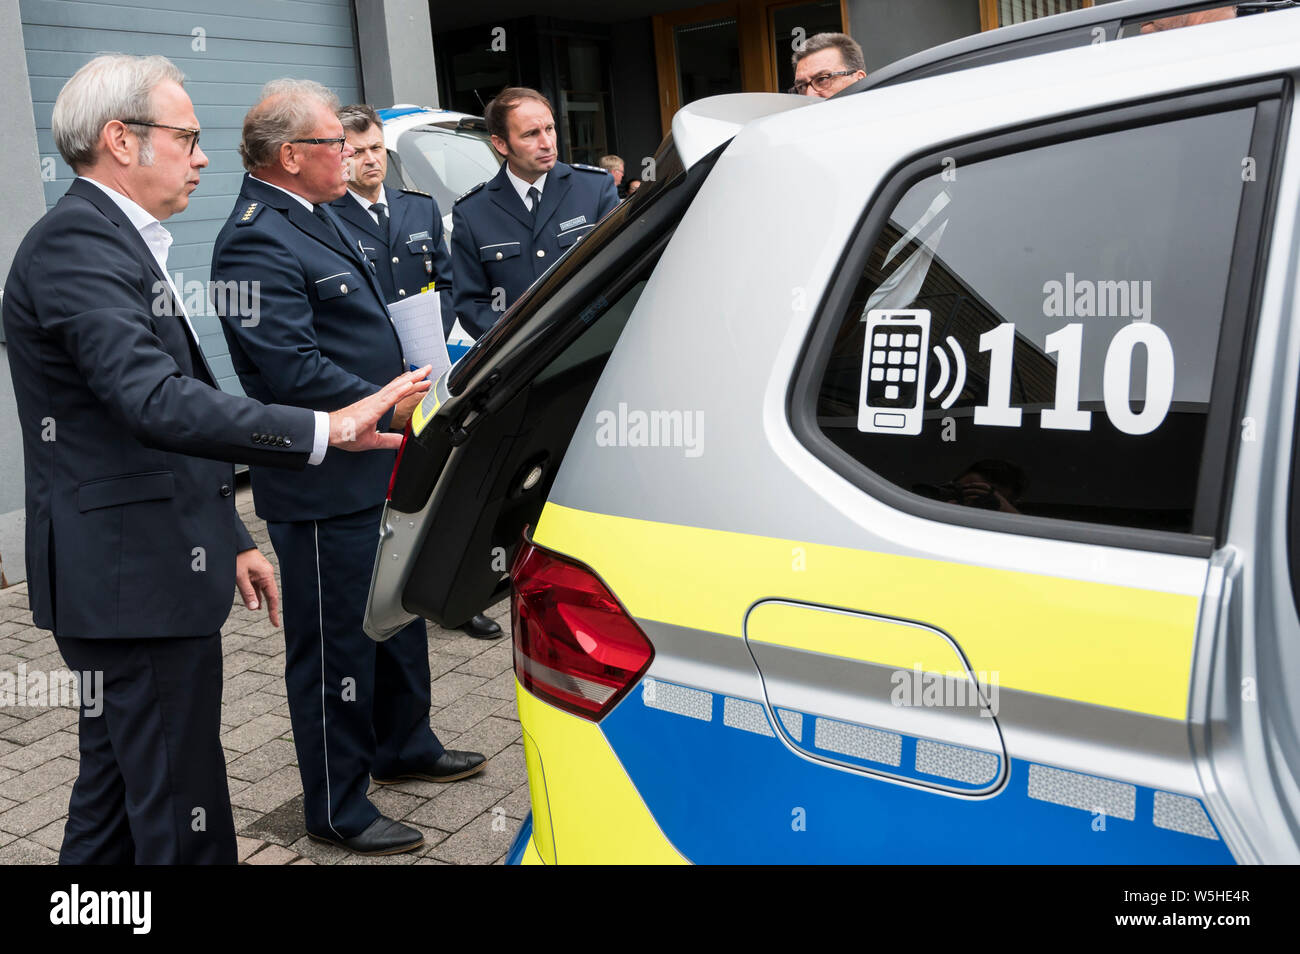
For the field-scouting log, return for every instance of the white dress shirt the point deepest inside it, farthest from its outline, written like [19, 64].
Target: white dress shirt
[522, 187]
[366, 203]
[159, 240]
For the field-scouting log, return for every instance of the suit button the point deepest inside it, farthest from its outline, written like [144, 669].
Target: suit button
[257, 438]
[343, 289]
[288, 441]
[541, 253]
[396, 260]
[424, 248]
[225, 490]
[499, 256]
[402, 292]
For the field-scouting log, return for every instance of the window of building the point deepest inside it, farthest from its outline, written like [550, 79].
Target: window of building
[1000, 13]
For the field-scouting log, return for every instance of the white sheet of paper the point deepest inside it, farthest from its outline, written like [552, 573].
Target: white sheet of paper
[418, 320]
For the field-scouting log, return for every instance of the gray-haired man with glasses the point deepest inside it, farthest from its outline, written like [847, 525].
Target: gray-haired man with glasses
[826, 64]
[133, 543]
[359, 709]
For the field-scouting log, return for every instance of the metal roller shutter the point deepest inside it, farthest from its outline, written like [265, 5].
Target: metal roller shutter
[226, 58]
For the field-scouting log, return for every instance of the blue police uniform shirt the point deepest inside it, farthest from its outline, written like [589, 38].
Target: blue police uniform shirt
[497, 243]
[410, 254]
[323, 339]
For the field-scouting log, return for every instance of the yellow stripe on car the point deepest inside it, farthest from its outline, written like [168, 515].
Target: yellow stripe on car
[596, 814]
[422, 415]
[1118, 646]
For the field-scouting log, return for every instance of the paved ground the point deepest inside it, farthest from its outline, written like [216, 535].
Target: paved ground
[466, 822]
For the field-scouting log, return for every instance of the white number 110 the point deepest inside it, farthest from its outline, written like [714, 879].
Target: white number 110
[1065, 414]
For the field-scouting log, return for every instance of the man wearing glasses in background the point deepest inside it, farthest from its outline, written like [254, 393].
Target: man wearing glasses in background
[358, 708]
[827, 63]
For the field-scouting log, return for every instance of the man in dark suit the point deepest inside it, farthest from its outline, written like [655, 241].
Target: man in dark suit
[358, 708]
[509, 230]
[133, 544]
[400, 232]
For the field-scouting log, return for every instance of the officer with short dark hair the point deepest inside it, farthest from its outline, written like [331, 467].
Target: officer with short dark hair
[506, 232]
[400, 232]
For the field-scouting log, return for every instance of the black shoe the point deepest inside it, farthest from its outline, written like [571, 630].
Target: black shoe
[384, 837]
[480, 627]
[449, 767]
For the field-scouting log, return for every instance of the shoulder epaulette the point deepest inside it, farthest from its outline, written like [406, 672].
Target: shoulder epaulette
[249, 213]
[586, 168]
[469, 192]
[418, 192]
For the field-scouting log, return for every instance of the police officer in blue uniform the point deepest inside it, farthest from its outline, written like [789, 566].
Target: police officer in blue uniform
[506, 232]
[400, 232]
[359, 709]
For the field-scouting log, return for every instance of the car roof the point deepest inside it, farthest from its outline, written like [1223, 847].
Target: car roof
[1075, 27]
[398, 119]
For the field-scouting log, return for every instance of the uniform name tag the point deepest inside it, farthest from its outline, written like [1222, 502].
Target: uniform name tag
[572, 222]
[417, 236]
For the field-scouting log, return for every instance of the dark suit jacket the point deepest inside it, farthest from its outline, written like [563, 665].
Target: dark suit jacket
[131, 524]
[496, 242]
[323, 341]
[411, 254]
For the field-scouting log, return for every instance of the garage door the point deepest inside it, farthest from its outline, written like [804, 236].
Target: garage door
[226, 58]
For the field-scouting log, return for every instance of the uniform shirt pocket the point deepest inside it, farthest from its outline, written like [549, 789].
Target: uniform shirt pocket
[569, 236]
[421, 246]
[495, 253]
[336, 285]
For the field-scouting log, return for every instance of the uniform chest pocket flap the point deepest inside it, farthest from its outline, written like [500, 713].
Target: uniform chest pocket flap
[495, 253]
[569, 236]
[420, 246]
[127, 489]
[336, 285]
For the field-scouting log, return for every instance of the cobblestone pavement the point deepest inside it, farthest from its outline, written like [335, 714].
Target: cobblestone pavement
[466, 822]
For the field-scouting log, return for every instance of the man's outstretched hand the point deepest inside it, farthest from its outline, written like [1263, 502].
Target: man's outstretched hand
[356, 427]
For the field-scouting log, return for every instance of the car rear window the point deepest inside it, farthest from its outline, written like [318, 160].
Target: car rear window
[1037, 333]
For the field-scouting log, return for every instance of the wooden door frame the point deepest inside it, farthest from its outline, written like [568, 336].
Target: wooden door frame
[754, 30]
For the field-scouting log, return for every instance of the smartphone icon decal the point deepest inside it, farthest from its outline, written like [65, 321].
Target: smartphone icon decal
[892, 394]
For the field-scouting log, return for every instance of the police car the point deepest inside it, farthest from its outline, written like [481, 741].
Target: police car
[965, 529]
[443, 153]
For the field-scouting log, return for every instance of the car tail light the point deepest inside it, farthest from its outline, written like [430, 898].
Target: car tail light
[397, 464]
[575, 644]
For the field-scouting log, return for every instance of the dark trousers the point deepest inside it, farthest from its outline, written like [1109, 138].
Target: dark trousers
[152, 784]
[359, 708]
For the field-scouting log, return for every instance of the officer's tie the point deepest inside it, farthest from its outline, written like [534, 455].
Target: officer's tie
[534, 200]
[319, 212]
[381, 210]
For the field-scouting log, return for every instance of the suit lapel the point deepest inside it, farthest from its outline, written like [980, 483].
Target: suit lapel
[350, 211]
[110, 209]
[503, 193]
[557, 187]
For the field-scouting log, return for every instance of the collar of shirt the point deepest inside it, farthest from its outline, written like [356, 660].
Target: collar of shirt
[366, 203]
[301, 201]
[522, 187]
[153, 232]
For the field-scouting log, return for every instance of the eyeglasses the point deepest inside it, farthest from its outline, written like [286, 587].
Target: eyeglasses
[818, 82]
[193, 133]
[340, 142]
